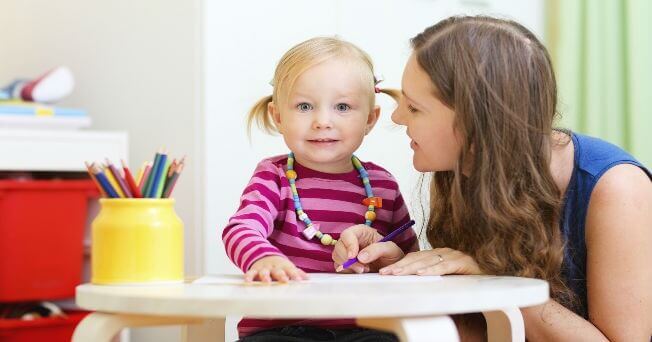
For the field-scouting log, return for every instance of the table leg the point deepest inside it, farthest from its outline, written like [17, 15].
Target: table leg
[208, 330]
[102, 327]
[415, 329]
[505, 325]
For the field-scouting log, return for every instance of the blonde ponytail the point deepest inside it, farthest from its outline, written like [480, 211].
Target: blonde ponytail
[259, 114]
[393, 93]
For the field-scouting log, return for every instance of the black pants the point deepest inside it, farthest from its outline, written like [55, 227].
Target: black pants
[303, 333]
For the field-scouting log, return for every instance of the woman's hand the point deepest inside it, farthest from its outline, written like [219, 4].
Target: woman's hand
[436, 261]
[362, 241]
[274, 268]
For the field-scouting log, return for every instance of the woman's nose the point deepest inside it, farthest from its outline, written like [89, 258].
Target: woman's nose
[397, 116]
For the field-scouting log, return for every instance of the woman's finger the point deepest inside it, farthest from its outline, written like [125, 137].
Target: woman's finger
[441, 268]
[410, 258]
[418, 264]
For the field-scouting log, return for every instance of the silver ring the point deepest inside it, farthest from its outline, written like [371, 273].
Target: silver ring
[441, 258]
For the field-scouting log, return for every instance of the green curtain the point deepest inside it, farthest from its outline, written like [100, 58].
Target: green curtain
[602, 53]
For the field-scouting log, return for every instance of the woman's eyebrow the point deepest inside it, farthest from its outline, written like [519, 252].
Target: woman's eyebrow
[411, 100]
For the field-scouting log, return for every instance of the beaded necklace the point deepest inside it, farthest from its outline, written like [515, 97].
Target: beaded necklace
[312, 229]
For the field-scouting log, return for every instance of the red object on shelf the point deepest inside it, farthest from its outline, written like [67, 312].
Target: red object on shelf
[41, 237]
[51, 329]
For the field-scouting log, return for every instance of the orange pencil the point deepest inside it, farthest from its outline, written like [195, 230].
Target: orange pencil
[90, 173]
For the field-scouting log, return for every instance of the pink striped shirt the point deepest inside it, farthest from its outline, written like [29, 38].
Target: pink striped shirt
[266, 223]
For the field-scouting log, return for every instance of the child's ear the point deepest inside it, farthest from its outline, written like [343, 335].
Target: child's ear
[374, 114]
[273, 111]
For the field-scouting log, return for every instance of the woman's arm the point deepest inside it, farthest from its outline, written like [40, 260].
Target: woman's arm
[619, 277]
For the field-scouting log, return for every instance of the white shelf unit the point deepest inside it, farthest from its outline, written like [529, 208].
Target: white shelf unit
[64, 151]
[58, 150]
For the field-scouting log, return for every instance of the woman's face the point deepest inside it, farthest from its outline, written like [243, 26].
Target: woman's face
[429, 122]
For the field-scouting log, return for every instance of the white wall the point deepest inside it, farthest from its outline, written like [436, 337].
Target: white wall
[244, 40]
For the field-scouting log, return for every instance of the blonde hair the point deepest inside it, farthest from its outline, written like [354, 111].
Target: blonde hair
[300, 58]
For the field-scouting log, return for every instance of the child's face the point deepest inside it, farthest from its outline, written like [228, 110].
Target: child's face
[327, 115]
[429, 122]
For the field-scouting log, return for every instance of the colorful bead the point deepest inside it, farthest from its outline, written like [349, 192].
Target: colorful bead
[373, 201]
[312, 230]
[326, 239]
[291, 174]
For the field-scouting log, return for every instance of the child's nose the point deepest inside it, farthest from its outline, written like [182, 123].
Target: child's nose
[322, 119]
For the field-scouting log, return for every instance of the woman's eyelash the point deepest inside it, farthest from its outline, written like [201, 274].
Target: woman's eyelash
[411, 109]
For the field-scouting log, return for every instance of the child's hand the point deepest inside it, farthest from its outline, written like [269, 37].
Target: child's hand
[362, 241]
[274, 268]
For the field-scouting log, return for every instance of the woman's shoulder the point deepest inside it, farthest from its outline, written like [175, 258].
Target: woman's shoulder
[596, 156]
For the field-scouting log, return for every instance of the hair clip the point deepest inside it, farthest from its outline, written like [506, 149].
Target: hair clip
[378, 79]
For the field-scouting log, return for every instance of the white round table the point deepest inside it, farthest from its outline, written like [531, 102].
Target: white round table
[416, 308]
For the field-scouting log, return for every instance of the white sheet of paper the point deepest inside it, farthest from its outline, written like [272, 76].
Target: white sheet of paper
[237, 279]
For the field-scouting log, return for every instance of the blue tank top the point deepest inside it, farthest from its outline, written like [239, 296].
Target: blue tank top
[593, 157]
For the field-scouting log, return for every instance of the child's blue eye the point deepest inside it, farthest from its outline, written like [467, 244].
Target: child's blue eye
[342, 107]
[304, 107]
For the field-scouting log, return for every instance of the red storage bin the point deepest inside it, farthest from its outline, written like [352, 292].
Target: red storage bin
[51, 329]
[41, 237]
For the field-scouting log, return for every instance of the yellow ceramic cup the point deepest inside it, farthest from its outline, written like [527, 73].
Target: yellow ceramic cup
[136, 240]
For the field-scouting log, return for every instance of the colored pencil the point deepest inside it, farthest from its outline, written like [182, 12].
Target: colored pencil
[130, 181]
[118, 177]
[143, 178]
[156, 175]
[104, 181]
[388, 237]
[152, 173]
[97, 183]
[112, 181]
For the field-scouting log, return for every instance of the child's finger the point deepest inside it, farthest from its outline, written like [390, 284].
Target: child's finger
[250, 275]
[349, 239]
[279, 275]
[264, 275]
[340, 253]
[296, 273]
[336, 266]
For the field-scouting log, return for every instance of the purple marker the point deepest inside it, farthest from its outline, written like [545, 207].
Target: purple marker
[388, 237]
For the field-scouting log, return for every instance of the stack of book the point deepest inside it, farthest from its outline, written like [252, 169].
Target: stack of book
[23, 114]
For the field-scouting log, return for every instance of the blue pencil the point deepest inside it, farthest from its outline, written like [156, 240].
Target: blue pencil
[157, 176]
[104, 182]
[388, 237]
[150, 177]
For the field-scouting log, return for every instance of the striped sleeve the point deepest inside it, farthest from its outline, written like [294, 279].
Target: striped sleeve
[400, 215]
[245, 236]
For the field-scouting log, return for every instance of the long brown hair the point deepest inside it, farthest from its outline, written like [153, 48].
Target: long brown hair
[504, 210]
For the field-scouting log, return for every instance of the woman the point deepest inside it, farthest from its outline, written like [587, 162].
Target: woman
[512, 196]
